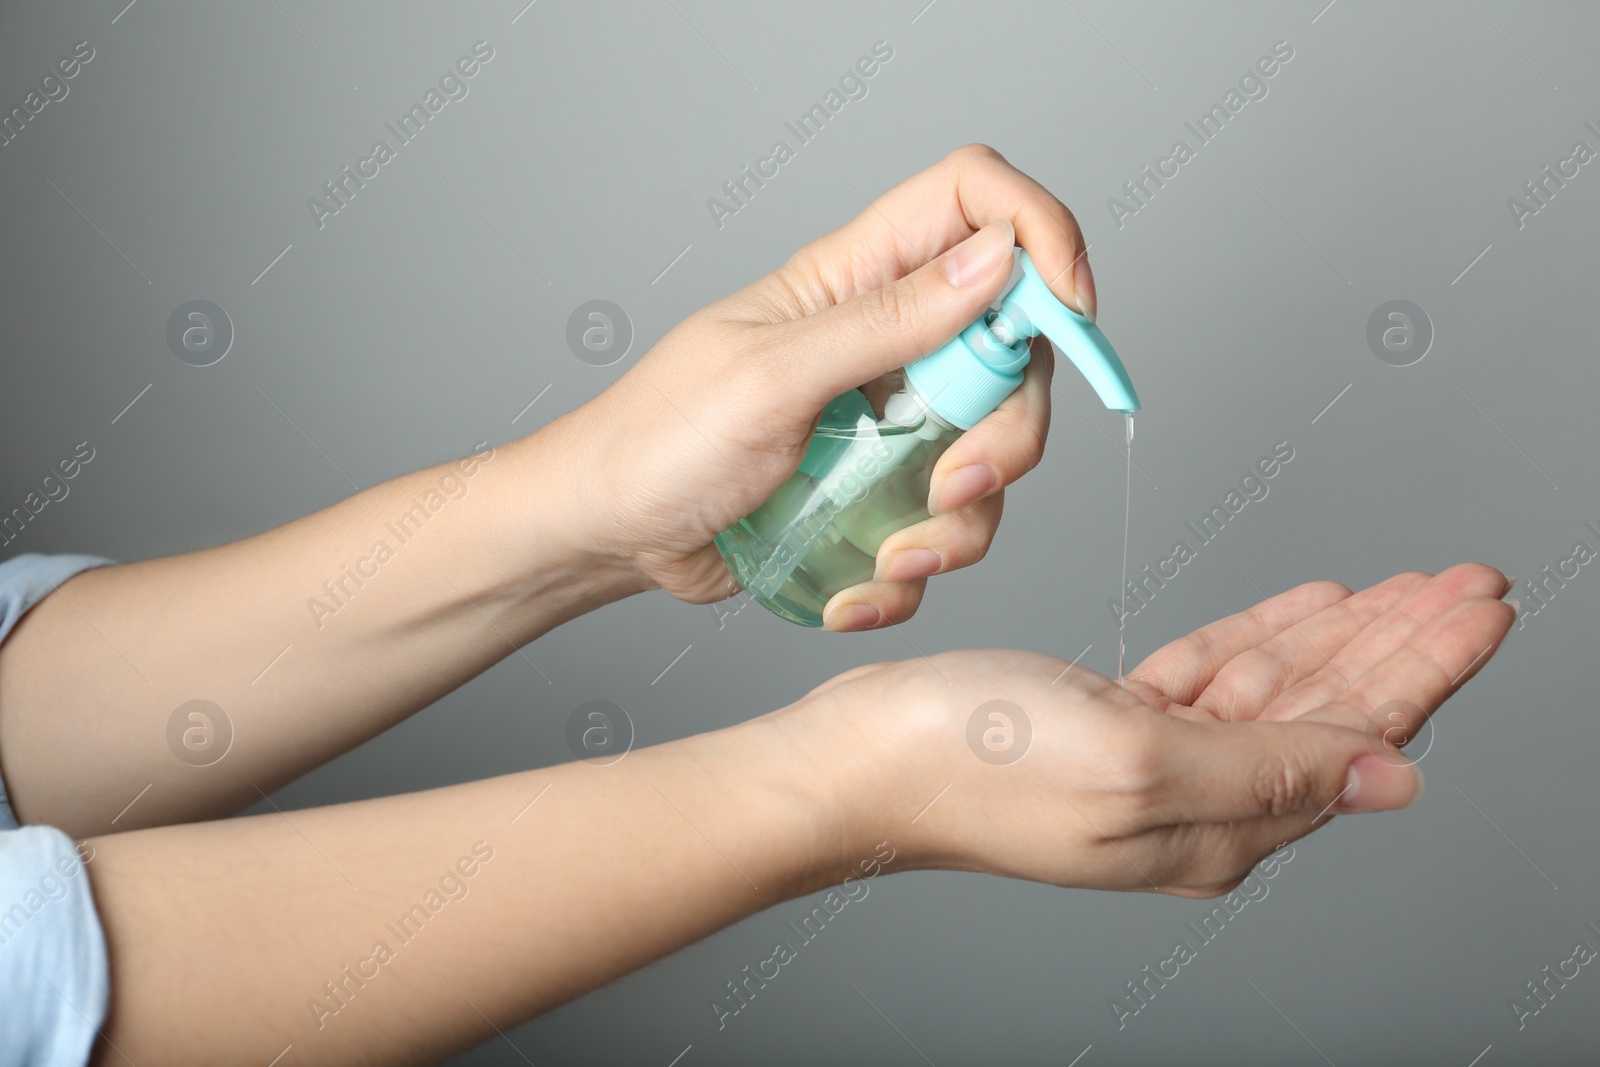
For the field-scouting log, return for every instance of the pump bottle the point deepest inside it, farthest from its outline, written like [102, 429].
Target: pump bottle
[867, 469]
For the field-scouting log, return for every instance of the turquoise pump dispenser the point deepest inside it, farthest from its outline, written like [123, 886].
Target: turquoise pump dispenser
[983, 364]
[867, 470]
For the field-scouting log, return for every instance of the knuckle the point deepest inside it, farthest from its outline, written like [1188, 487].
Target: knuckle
[890, 310]
[978, 554]
[1135, 768]
[970, 545]
[1283, 785]
[1029, 440]
[983, 540]
[1132, 773]
[983, 514]
[1017, 429]
[1068, 219]
[977, 152]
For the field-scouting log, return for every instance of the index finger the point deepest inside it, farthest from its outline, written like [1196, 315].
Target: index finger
[937, 209]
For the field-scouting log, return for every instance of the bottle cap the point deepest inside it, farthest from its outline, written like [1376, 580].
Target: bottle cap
[982, 365]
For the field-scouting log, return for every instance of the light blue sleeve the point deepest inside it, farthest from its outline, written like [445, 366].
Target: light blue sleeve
[53, 974]
[54, 979]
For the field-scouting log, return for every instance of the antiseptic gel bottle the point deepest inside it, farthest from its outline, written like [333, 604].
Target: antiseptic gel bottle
[867, 470]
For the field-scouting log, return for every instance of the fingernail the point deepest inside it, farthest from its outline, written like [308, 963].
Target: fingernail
[962, 486]
[1375, 784]
[1083, 283]
[908, 564]
[851, 617]
[1510, 584]
[1516, 605]
[980, 255]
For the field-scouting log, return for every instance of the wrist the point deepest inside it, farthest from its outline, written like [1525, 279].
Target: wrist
[789, 828]
[882, 754]
[556, 564]
[824, 766]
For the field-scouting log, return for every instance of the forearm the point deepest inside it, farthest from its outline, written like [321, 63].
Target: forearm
[311, 638]
[580, 874]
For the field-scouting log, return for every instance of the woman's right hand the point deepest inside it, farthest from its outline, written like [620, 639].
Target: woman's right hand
[1222, 747]
[717, 415]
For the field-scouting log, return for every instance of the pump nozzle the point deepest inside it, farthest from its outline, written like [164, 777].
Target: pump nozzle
[1030, 309]
[978, 368]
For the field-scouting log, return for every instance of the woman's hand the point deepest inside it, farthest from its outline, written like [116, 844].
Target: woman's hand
[1224, 745]
[717, 415]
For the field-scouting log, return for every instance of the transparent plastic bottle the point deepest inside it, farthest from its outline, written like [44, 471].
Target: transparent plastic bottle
[867, 470]
[865, 475]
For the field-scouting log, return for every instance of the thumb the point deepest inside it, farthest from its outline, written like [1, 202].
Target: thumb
[1230, 772]
[849, 344]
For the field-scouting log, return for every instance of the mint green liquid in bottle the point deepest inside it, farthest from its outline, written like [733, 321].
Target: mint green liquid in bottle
[867, 470]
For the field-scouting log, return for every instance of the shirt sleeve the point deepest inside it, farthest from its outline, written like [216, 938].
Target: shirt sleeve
[54, 977]
[53, 971]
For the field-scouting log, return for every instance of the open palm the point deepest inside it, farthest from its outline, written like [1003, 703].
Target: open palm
[1385, 657]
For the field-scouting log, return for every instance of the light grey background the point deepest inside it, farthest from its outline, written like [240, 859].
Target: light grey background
[1377, 168]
